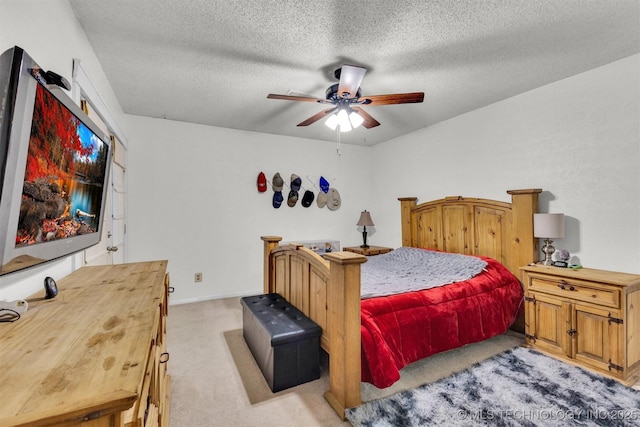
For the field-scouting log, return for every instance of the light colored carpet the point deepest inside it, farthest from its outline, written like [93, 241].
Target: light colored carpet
[216, 382]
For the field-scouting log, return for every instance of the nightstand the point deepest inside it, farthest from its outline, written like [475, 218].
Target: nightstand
[371, 250]
[587, 317]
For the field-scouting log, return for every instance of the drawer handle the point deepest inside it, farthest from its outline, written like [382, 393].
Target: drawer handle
[564, 286]
[170, 289]
[164, 357]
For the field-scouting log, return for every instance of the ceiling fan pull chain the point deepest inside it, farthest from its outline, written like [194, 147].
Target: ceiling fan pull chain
[338, 137]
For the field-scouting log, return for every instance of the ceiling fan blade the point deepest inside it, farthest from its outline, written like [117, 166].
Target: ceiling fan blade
[394, 98]
[317, 116]
[369, 122]
[297, 98]
[350, 80]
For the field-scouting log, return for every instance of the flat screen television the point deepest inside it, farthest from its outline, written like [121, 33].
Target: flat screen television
[54, 168]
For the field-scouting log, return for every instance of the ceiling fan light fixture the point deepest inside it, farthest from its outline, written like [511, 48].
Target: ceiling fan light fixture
[347, 120]
[343, 121]
[332, 122]
[355, 119]
[343, 95]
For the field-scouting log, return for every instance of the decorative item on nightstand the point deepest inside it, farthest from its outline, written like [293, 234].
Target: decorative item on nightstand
[548, 226]
[364, 221]
[563, 258]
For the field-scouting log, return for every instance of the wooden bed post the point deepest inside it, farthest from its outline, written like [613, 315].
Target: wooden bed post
[406, 204]
[343, 327]
[270, 242]
[524, 203]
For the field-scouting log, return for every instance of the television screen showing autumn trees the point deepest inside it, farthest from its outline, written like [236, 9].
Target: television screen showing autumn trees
[65, 169]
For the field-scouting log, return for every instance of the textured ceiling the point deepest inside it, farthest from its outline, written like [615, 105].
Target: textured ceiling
[214, 62]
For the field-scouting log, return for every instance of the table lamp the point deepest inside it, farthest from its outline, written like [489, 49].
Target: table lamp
[364, 221]
[548, 226]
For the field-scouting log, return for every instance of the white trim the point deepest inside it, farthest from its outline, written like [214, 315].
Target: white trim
[213, 297]
[82, 86]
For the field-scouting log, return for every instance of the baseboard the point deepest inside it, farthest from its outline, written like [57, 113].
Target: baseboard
[212, 297]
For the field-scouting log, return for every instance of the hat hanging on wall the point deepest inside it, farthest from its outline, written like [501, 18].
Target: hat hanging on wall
[292, 199]
[333, 199]
[262, 183]
[324, 185]
[296, 182]
[322, 199]
[307, 199]
[329, 197]
[277, 199]
[277, 182]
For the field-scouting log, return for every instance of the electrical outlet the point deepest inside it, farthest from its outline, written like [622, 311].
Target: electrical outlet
[198, 277]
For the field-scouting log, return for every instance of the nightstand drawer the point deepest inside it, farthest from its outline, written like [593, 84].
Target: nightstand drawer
[576, 290]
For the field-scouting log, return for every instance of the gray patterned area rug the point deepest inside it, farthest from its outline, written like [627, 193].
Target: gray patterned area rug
[519, 387]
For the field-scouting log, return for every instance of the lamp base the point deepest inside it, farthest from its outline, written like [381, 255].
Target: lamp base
[364, 238]
[548, 250]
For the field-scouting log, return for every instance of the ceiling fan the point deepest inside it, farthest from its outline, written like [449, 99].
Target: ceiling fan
[346, 100]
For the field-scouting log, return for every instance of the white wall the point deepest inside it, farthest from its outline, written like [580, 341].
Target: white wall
[578, 139]
[50, 33]
[194, 200]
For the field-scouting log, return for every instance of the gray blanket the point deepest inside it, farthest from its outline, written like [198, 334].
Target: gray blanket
[410, 269]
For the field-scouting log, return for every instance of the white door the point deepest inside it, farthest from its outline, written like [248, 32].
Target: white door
[118, 193]
[111, 249]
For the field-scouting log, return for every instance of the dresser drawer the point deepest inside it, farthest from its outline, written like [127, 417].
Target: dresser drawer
[135, 416]
[576, 290]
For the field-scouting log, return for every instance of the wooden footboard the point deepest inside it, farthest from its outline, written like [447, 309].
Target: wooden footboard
[327, 291]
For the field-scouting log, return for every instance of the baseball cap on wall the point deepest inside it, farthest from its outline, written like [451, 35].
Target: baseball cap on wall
[262, 182]
[333, 199]
[307, 199]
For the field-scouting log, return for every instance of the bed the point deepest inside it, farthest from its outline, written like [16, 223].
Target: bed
[364, 337]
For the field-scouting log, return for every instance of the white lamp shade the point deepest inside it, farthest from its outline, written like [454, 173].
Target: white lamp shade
[332, 122]
[343, 121]
[356, 119]
[548, 226]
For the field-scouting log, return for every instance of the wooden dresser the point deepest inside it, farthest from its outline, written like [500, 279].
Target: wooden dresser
[95, 355]
[587, 317]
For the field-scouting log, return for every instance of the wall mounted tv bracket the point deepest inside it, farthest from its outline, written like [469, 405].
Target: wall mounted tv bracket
[49, 78]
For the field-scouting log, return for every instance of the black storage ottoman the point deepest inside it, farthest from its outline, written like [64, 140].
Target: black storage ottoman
[284, 342]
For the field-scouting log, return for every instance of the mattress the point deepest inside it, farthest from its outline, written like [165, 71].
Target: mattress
[403, 328]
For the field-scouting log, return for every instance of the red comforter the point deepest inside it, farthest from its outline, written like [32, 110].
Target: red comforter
[400, 329]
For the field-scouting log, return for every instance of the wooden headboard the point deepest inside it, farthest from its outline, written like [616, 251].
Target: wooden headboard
[500, 230]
